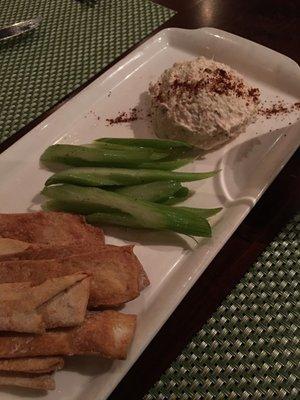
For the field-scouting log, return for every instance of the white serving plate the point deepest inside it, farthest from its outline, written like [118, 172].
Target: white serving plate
[173, 262]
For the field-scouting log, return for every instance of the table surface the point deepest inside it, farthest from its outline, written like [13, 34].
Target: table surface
[275, 24]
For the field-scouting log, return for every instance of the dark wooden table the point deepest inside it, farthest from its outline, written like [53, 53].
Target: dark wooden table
[275, 24]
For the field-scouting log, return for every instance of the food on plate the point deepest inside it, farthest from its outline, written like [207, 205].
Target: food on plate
[123, 219]
[11, 249]
[104, 154]
[57, 302]
[144, 214]
[29, 381]
[89, 156]
[115, 273]
[12, 246]
[107, 334]
[48, 227]
[52, 266]
[132, 196]
[203, 102]
[32, 373]
[122, 176]
[34, 365]
[157, 192]
[168, 163]
[152, 143]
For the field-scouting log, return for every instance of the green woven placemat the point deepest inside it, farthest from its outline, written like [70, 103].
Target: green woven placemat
[76, 40]
[249, 349]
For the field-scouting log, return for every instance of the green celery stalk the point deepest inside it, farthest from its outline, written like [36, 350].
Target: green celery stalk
[122, 147]
[169, 165]
[119, 219]
[149, 215]
[88, 156]
[76, 207]
[122, 176]
[153, 191]
[182, 194]
[163, 144]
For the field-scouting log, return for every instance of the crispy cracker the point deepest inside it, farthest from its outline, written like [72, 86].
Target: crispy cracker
[48, 227]
[57, 302]
[108, 334]
[68, 308]
[115, 273]
[11, 249]
[35, 365]
[29, 251]
[38, 382]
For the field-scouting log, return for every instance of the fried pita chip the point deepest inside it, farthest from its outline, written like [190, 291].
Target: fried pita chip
[68, 308]
[17, 250]
[143, 278]
[108, 334]
[48, 227]
[11, 249]
[35, 365]
[57, 302]
[39, 382]
[115, 273]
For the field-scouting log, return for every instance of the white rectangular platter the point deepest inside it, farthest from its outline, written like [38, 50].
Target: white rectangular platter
[173, 262]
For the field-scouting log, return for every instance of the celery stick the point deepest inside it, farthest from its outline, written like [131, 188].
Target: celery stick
[167, 164]
[89, 156]
[75, 207]
[153, 143]
[154, 191]
[201, 212]
[122, 176]
[182, 194]
[149, 215]
[119, 219]
[122, 147]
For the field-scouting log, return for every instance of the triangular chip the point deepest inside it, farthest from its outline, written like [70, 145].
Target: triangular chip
[108, 334]
[13, 250]
[34, 365]
[57, 302]
[38, 382]
[115, 273]
[48, 227]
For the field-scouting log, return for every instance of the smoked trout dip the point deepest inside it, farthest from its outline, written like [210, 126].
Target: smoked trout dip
[202, 102]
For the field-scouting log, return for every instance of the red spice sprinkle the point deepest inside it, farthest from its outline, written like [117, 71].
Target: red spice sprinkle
[219, 81]
[297, 105]
[123, 117]
[254, 93]
[278, 108]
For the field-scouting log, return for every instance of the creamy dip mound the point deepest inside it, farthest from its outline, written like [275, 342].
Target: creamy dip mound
[203, 102]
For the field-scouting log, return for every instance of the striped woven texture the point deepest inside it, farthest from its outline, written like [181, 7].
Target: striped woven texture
[249, 349]
[76, 40]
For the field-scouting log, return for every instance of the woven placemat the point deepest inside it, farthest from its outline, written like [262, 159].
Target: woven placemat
[249, 349]
[76, 40]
